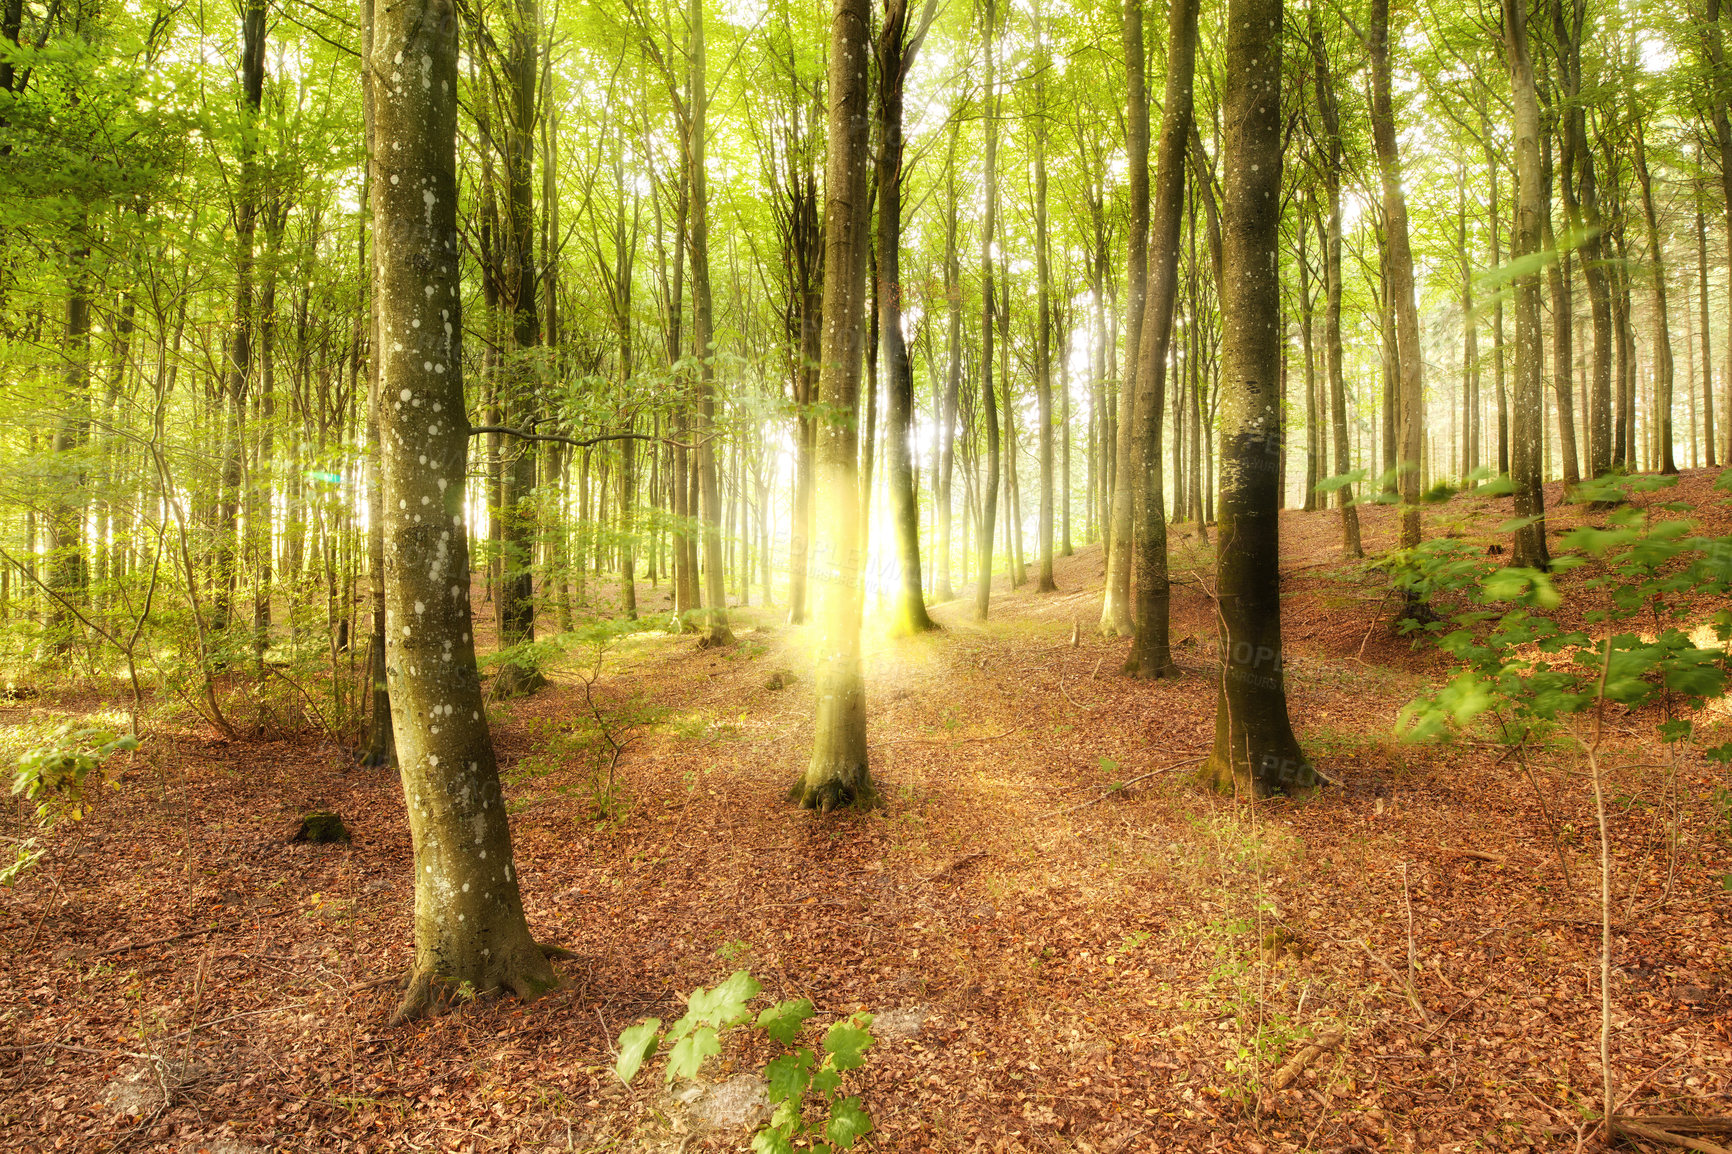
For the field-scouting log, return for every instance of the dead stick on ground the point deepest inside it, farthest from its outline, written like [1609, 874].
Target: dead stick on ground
[1306, 1055]
[1677, 1123]
[1120, 788]
[1628, 1129]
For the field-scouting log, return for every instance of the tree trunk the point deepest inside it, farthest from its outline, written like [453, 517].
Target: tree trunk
[1043, 315]
[838, 775]
[1151, 656]
[896, 49]
[989, 182]
[470, 931]
[1254, 746]
[1529, 417]
[1411, 430]
[1116, 599]
[716, 631]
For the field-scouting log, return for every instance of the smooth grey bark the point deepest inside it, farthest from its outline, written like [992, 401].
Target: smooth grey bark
[1116, 618]
[1151, 656]
[837, 774]
[897, 46]
[1528, 427]
[1255, 749]
[470, 930]
[716, 631]
[986, 523]
[1411, 409]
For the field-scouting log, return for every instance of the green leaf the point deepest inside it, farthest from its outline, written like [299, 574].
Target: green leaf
[789, 1075]
[848, 1123]
[771, 1141]
[725, 1005]
[636, 1046]
[846, 1041]
[689, 1053]
[783, 1020]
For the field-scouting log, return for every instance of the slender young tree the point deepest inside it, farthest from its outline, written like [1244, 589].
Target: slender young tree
[988, 307]
[1150, 653]
[897, 45]
[838, 775]
[1410, 423]
[1664, 369]
[1043, 309]
[1116, 597]
[1255, 748]
[469, 923]
[1528, 427]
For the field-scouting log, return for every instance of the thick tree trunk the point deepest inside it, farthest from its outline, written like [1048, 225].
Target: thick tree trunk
[1151, 655]
[1529, 417]
[470, 931]
[1255, 749]
[837, 774]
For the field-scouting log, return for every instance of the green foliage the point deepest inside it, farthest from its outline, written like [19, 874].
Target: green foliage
[57, 775]
[804, 1088]
[1525, 670]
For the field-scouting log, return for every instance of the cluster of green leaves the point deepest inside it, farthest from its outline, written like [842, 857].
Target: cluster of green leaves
[1648, 576]
[57, 774]
[802, 1085]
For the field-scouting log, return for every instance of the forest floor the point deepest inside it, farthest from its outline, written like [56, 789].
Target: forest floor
[1057, 964]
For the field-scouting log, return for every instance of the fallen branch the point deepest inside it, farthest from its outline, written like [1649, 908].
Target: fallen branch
[1121, 787]
[1676, 1123]
[1307, 1054]
[1624, 1128]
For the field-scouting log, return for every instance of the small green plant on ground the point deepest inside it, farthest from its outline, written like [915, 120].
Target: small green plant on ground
[804, 1088]
[59, 776]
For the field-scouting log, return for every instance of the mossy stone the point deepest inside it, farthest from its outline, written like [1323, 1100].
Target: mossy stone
[321, 828]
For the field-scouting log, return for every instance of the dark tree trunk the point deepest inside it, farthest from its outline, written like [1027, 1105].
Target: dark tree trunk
[1254, 747]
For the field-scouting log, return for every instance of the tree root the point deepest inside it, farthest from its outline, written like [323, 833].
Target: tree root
[429, 994]
[836, 791]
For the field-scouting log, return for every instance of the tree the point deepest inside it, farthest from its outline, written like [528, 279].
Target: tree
[1254, 744]
[1150, 655]
[988, 307]
[1410, 409]
[896, 50]
[1116, 598]
[838, 775]
[1528, 419]
[469, 923]
[1329, 114]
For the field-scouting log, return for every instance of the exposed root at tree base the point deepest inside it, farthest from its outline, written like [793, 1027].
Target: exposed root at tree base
[834, 792]
[429, 994]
